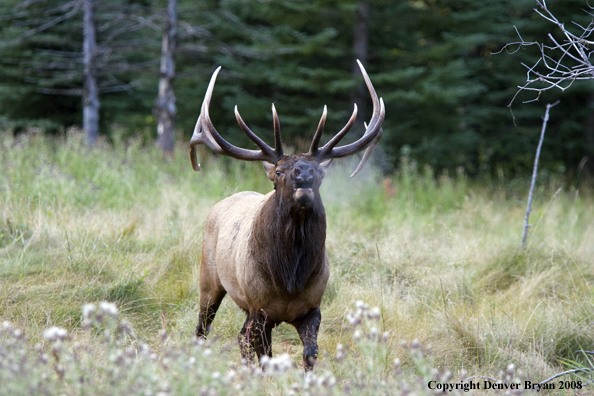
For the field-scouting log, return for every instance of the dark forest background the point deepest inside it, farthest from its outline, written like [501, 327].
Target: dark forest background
[432, 61]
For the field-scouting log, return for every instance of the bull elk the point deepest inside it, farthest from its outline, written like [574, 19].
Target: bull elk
[268, 251]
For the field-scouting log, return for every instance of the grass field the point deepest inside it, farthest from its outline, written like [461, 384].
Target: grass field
[437, 254]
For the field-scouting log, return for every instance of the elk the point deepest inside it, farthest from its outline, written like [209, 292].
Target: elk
[268, 251]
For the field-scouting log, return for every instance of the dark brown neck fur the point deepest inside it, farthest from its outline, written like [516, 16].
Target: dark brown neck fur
[288, 242]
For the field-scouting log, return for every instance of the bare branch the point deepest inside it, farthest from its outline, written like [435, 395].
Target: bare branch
[74, 8]
[57, 91]
[559, 65]
[535, 171]
[27, 3]
[579, 370]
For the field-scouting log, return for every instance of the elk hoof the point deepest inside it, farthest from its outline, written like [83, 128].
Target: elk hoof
[308, 363]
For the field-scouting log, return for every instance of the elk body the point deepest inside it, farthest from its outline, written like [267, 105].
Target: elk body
[268, 251]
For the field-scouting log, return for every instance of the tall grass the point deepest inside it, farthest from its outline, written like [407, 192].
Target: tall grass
[436, 253]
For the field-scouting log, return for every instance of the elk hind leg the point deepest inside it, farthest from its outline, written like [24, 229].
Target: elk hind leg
[307, 328]
[212, 291]
[209, 304]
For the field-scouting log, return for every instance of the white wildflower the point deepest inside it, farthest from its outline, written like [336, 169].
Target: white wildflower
[320, 381]
[144, 349]
[353, 320]
[55, 334]
[396, 363]
[277, 365]
[88, 311]
[109, 309]
[339, 351]
[375, 313]
[6, 325]
[229, 376]
[308, 379]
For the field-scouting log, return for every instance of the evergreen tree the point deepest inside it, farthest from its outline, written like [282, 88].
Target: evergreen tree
[446, 93]
[42, 69]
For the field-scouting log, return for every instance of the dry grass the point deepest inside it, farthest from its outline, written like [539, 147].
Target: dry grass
[439, 256]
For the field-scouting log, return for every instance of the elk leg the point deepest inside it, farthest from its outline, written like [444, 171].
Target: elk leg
[307, 328]
[255, 336]
[263, 342]
[244, 340]
[209, 304]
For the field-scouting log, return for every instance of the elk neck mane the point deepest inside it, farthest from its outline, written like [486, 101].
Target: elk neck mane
[288, 243]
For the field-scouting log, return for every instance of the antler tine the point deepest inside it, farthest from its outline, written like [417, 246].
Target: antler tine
[313, 149]
[199, 137]
[368, 150]
[338, 137]
[371, 134]
[278, 144]
[259, 142]
[205, 133]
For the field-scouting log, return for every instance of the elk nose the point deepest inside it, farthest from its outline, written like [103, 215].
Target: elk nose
[304, 174]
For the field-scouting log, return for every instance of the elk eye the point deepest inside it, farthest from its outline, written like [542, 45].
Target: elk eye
[278, 173]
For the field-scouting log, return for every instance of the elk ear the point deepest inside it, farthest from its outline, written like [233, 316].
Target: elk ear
[269, 168]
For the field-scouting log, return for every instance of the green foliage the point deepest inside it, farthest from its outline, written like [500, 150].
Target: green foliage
[445, 90]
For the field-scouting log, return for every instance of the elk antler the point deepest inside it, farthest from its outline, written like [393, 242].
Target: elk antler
[205, 132]
[368, 141]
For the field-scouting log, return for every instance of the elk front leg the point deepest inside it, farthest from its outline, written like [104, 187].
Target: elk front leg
[244, 340]
[307, 328]
[255, 336]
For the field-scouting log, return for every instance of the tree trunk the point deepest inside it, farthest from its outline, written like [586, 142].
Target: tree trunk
[90, 93]
[360, 51]
[165, 106]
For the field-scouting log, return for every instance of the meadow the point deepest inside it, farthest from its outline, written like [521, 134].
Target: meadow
[438, 255]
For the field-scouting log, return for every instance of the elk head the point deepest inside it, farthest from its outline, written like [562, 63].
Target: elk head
[297, 178]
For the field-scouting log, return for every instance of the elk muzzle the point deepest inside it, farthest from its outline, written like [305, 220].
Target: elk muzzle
[304, 197]
[304, 176]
